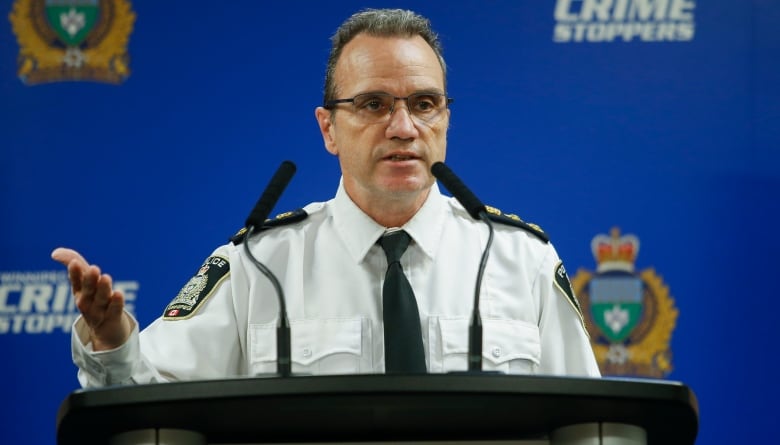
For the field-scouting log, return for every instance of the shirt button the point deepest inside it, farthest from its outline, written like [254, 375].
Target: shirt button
[306, 352]
[496, 351]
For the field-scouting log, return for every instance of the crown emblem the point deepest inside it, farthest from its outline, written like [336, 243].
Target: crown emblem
[72, 40]
[630, 315]
[615, 252]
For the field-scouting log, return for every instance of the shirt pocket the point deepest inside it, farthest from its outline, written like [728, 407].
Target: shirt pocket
[330, 346]
[509, 346]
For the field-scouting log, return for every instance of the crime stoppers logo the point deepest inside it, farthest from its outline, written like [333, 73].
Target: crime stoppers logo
[630, 316]
[41, 302]
[602, 21]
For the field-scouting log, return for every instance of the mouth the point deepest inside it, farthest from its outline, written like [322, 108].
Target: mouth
[400, 157]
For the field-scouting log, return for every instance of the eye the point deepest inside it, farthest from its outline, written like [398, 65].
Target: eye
[372, 103]
[425, 103]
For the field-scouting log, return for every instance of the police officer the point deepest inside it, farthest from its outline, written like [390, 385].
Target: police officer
[385, 117]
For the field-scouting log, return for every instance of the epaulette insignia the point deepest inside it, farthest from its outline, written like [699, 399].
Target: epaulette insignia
[513, 220]
[280, 220]
[198, 289]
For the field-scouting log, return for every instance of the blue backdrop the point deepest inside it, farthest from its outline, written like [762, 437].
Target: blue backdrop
[671, 135]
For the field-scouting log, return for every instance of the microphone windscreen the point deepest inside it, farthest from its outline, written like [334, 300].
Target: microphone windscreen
[272, 192]
[468, 200]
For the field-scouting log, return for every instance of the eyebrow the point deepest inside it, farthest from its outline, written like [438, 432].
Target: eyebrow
[423, 91]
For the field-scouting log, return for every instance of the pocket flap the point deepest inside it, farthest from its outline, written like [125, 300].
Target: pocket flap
[314, 339]
[502, 340]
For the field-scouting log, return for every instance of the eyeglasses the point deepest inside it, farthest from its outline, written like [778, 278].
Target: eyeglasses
[373, 108]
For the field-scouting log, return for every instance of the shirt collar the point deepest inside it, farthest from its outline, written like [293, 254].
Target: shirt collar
[359, 232]
[427, 225]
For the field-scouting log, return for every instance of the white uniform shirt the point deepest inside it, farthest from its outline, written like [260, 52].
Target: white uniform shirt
[332, 271]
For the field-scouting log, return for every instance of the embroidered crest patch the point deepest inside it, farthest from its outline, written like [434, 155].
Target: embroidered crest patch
[198, 289]
[564, 285]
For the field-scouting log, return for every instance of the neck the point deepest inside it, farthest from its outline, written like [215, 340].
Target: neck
[391, 211]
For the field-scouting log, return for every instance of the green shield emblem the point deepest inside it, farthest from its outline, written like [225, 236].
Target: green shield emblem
[616, 305]
[72, 20]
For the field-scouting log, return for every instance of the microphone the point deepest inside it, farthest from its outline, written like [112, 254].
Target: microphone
[470, 202]
[253, 223]
[477, 210]
[270, 195]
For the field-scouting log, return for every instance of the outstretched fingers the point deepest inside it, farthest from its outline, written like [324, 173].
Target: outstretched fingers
[114, 300]
[101, 306]
[95, 298]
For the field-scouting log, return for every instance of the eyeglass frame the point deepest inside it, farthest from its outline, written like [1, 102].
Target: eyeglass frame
[331, 103]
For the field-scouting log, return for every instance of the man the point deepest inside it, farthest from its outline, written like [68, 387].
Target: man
[385, 116]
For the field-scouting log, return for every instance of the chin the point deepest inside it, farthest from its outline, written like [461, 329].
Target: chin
[407, 186]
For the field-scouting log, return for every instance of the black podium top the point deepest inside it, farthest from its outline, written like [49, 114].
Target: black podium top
[380, 408]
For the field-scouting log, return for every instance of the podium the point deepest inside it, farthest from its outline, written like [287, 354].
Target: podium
[431, 408]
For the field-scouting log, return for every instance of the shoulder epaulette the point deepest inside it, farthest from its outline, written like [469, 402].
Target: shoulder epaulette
[513, 220]
[280, 220]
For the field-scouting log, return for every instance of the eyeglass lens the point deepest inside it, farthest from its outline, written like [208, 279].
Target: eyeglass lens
[378, 106]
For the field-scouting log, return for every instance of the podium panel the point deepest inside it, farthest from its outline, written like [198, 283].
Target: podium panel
[380, 408]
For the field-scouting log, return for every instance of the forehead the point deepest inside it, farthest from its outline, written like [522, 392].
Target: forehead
[398, 65]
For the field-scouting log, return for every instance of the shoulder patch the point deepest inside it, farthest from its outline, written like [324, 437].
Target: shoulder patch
[564, 285]
[513, 220]
[200, 287]
[280, 220]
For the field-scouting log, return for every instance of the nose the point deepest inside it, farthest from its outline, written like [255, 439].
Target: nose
[401, 124]
[406, 104]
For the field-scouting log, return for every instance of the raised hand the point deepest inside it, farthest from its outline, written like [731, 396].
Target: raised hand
[101, 306]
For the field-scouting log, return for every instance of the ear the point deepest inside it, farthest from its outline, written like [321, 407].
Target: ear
[328, 130]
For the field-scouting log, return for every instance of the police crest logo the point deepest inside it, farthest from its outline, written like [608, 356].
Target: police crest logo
[198, 289]
[630, 316]
[72, 40]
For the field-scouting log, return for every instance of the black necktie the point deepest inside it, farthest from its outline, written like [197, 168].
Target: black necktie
[404, 351]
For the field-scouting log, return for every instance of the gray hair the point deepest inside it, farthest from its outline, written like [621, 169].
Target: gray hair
[380, 23]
